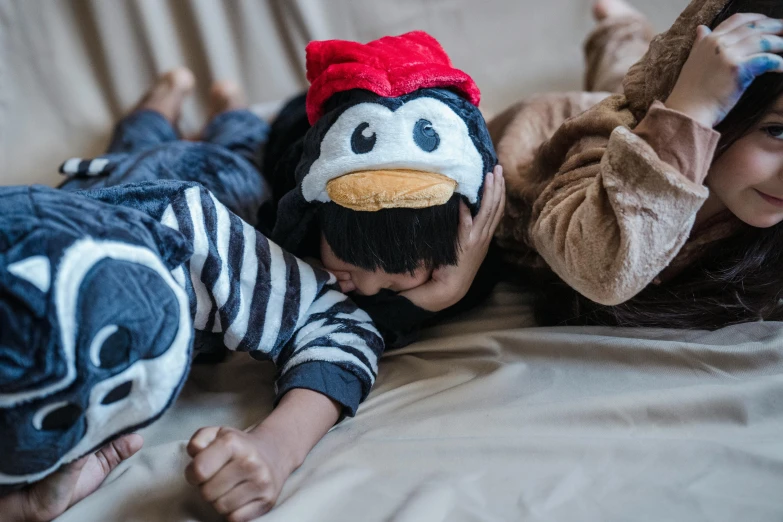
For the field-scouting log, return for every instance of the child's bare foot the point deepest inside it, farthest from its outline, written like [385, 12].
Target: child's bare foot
[168, 93]
[225, 96]
[603, 9]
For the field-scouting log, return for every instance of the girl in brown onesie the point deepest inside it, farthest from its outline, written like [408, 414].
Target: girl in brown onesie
[660, 205]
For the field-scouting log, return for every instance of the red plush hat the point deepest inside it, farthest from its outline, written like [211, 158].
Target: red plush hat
[389, 67]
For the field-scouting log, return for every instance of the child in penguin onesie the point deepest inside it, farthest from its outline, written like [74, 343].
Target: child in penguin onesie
[108, 285]
[385, 173]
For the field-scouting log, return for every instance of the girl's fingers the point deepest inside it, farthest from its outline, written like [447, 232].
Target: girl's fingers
[760, 44]
[770, 26]
[739, 20]
[759, 64]
[702, 32]
[756, 66]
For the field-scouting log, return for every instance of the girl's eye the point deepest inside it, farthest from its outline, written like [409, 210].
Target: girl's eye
[775, 131]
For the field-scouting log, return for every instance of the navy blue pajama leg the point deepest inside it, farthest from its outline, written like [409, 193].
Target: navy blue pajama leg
[241, 132]
[141, 130]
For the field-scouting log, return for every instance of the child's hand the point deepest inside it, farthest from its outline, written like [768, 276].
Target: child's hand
[240, 474]
[449, 284]
[49, 498]
[724, 63]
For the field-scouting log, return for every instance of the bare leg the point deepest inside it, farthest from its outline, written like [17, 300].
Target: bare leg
[154, 118]
[168, 93]
[620, 39]
[232, 126]
[226, 96]
[603, 9]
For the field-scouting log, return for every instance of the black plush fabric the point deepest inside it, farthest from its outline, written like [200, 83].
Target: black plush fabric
[295, 216]
[298, 224]
[57, 296]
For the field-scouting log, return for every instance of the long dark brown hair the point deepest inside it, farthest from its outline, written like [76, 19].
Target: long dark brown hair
[737, 280]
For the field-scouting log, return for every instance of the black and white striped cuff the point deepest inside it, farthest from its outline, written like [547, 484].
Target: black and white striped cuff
[78, 167]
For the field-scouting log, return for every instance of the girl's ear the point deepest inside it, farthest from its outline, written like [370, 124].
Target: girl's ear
[28, 279]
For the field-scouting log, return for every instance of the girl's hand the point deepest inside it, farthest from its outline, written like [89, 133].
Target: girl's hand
[449, 284]
[724, 63]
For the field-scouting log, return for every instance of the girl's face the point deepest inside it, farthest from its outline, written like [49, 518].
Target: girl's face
[748, 177]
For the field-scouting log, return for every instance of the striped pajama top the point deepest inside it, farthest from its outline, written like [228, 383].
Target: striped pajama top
[261, 299]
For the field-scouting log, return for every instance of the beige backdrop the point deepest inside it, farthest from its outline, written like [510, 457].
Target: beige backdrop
[487, 419]
[69, 68]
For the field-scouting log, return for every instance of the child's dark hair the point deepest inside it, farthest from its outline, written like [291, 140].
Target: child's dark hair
[396, 240]
[737, 280]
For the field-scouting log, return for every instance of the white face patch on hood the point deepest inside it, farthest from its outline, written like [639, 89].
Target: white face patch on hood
[424, 134]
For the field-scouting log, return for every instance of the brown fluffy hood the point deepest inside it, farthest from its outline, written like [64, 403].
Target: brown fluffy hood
[654, 76]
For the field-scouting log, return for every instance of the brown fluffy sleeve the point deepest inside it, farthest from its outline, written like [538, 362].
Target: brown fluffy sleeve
[618, 205]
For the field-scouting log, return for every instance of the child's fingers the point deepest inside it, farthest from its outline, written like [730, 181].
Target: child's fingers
[494, 206]
[486, 201]
[765, 26]
[210, 460]
[465, 217]
[738, 20]
[228, 477]
[250, 511]
[760, 44]
[501, 207]
[242, 495]
[760, 64]
[201, 439]
[702, 32]
[110, 455]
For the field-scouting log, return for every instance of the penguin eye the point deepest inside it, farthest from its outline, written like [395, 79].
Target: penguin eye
[425, 136]
[363, 139]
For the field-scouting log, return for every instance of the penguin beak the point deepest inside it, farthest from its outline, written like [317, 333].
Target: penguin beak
[373, 190]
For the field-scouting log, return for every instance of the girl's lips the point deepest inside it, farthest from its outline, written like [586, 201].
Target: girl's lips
[778, 202]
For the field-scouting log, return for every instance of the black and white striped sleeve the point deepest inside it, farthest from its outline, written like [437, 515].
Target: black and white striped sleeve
[267, 302]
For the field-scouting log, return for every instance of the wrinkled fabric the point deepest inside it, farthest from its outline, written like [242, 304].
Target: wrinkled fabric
[491, 419]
